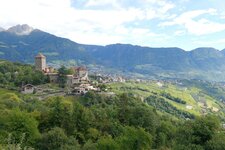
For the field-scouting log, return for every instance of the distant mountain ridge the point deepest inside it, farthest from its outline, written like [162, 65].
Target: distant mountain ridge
[22, 43]
[24, 47]
[20, 29]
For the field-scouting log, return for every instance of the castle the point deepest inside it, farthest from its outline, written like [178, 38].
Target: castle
[40, 64]
[80, 73]
[78, 81]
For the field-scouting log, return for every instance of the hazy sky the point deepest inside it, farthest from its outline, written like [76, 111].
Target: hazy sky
[156, 23]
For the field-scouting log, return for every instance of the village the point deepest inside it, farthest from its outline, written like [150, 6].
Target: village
[77, 83]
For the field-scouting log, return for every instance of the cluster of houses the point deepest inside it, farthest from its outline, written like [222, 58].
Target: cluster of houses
[78, 82]
[109, 78]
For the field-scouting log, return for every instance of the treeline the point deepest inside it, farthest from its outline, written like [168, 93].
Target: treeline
[162, 105]
[16, 74]
[96, 122]
[172, 98]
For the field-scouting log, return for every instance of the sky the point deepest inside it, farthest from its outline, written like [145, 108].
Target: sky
[187, 24]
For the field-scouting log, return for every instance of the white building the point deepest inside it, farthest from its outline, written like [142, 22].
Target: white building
[28, 89]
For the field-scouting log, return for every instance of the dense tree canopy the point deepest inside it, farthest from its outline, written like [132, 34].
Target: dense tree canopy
[101, 122]
[16, 74]
[63, 71]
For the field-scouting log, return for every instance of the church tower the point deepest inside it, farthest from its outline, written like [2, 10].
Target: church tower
[40, 62]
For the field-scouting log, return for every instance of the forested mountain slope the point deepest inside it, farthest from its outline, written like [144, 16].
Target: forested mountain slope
[201, 63]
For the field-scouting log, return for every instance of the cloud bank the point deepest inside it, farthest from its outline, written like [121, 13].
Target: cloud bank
[145, 22]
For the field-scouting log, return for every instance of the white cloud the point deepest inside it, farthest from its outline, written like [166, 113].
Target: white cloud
[209, 43]
[200, 26]
[158, 8]
[94, 3]
[179, 32]
[92, 26]
[184, 1]
[112, 21]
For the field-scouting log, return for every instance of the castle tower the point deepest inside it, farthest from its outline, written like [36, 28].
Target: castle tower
[40, 62]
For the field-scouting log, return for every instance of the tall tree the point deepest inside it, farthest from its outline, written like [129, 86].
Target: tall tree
[63, 71]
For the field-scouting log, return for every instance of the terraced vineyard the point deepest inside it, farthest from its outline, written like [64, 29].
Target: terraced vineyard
[189, 98]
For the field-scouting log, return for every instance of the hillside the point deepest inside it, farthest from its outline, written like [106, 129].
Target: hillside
[24, 48]
[22, 43]
[183, 99]
[102, 122]
[201, 63]
[154, 114]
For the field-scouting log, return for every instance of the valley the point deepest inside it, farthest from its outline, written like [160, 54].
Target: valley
[119, 97]
[112, 75]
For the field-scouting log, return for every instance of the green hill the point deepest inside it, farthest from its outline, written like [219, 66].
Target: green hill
[173, 114]
[188, 96]
[100, 122]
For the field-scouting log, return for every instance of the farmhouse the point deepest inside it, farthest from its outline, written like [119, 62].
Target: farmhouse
[28, 89]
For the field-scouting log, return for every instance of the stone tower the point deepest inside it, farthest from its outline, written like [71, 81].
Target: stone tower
[40, 62]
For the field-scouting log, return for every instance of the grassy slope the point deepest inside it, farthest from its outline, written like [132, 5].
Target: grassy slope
[4, 91]
[185, 93]
[192, 95]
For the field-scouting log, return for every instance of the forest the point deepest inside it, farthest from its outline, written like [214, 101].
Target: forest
[13, 75]
[100, 122]
[96, 121]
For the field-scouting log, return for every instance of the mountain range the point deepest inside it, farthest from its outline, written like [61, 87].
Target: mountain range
[22, 42]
